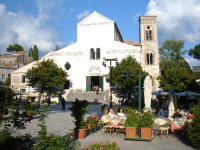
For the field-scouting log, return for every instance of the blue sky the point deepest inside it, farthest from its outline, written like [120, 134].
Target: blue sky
[50, 22]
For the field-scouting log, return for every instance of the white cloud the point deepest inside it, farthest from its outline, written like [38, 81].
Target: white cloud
[83, 14]
[177, 19]
[25, 29]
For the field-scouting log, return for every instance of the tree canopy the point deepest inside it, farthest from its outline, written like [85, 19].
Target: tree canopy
[172, 50]
[33, 52]
[195, 52]
[14, 48]
[47, 77]
[126, 73]
[174, 69]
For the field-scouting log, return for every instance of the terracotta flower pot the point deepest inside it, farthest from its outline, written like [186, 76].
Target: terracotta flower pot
[146, 133]
[81, 133]
[131, 132]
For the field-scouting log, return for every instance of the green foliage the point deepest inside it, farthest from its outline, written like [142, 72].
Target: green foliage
[131, 66]
[146, 120]
[172, 50]
[47, 77]
[195, 52]
[194, 130]
[103, 146]
[9, 142]
[52, 142]
[174, 69]
[6, 100]
[35, 53]
[177, 73]
[14, 47]
[8, 82]
[132, 118]
[79, 109]
[93, 122]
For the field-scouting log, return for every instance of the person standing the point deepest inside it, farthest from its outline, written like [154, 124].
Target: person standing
[49, 102]
[63, 103]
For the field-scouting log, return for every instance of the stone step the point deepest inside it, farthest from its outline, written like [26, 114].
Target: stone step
[89, 96]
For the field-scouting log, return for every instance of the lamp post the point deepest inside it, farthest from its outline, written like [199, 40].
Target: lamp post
[110, 68]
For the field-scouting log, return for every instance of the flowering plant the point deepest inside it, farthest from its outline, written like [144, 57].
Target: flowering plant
[93, 121]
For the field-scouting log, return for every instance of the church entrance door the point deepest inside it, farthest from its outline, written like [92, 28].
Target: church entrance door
[93, 82]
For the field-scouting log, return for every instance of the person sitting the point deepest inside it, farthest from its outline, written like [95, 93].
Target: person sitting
[105, 118]
[121, 115]
[112, 114]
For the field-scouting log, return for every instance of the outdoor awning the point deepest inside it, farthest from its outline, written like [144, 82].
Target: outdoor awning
[160, 93]
[187, 93]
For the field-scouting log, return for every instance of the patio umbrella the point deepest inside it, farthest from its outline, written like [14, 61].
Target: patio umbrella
[187, 93]
[160, 93]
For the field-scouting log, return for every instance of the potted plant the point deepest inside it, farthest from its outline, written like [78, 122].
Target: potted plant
[146, 123]
[79, 109]
[131, 124]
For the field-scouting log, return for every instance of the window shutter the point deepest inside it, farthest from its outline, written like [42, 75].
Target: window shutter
[88, 83]
[101, 82]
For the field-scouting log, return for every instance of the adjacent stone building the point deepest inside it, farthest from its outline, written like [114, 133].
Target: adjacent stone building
[12, 62]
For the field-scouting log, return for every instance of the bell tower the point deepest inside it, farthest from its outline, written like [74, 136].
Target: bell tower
[149, 42]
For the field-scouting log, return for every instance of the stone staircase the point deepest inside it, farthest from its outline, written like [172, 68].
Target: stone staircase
[89, 96]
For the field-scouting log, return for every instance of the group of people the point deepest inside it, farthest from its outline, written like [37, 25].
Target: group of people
[97, 89]
[112, 118]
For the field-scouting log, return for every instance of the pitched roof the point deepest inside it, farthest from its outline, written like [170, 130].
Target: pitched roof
[95, 13]
[132, 43]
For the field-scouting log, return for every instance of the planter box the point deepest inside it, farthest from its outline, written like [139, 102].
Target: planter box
[131, 132]
[146, 133]
[94, 130]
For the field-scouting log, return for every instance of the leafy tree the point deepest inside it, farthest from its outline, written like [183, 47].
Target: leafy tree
[15, 47]
[172, 50]
[176, 73]
[47, 77]
[174, 69]
[195, 52]
[57, 47]
[125, 74]
[194, 130]
[30, 52]
[7, 99]
[35, 53]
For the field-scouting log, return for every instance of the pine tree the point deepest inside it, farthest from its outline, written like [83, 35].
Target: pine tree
[194, 131]
[35, 53]
[30, 52]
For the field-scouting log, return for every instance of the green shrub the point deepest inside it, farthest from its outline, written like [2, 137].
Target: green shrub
[146, 120]
[9, 142]
[103, 146]
[194, 130]
[132, 118]
[53, 102]
[79, 109]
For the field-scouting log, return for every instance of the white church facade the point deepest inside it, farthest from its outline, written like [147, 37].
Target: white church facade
[97, 38]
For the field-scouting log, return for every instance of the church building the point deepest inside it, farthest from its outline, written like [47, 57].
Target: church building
[98, 37]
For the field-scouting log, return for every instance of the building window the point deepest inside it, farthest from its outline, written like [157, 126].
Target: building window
[23, 78]
[95, 55]
[9, 75]
[3, 76]
[148, 33]
[149, 59]
[92, 53]
[98, 53]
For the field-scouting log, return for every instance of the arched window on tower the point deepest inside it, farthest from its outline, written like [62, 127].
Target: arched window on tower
[92, 53]
[98, 53]
[149, 59]
[148, 33]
